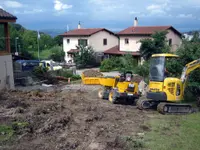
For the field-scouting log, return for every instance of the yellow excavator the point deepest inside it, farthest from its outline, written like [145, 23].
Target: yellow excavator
[165, 92]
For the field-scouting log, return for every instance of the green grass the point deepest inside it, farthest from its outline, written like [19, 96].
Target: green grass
[174, 132]
[6, 132]
[44, 54]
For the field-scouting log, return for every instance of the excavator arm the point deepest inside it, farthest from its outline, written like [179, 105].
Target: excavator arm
[188, 69]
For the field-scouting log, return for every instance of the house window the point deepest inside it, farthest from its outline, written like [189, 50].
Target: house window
[82, 42]
[170, 42]
[104, 41]
[68, 41]
[2, 38]
[126, 41]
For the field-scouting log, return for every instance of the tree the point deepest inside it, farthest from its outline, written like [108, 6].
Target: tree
[156, 44]
[85, 56]
[58, 40]
[27, 39]
[195, 37]
[57, 54]
[189, 51]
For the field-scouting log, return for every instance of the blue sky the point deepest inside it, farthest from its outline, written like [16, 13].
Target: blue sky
[112, 14]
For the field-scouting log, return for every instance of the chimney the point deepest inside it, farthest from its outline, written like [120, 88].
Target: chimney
[135, 22]
[79, 25]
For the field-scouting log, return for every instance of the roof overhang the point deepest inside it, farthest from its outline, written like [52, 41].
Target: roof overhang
[115, 51]
[7, 20]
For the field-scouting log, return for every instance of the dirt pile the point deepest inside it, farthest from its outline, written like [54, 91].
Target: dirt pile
[137, 78]
[92, 73]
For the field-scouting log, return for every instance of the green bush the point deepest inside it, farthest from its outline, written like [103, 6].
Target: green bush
[64, 73]
[67, 74]
[123, 63]
[40, 72]
[110, 64]
[128, 63]
[57, 54]
[143, 70]
[76, 77]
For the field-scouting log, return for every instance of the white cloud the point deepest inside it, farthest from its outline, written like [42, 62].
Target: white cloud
[1, 7]
[59, 6]
[158, 8]
[153, 7]
[134, 12]
[34, 11]
[13, 4]
[185, 16]
[108, 9]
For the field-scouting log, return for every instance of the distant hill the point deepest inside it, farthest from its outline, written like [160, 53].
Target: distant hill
[53, 32]
[191, 32]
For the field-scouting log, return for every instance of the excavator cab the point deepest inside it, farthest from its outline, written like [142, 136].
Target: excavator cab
[162, 87]
[158, 71]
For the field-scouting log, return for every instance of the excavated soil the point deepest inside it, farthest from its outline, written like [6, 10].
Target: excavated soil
[92, 73]
[69, 119]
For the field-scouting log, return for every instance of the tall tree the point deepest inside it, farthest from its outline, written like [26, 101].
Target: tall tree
[58, 40]
[156, 44]
[85, 56]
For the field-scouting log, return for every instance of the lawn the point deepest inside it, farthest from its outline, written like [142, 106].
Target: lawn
[170, 132]
[44, 54]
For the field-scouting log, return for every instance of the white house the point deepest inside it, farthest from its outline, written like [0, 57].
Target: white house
[129, 39]
[100, 39]
[6, 64]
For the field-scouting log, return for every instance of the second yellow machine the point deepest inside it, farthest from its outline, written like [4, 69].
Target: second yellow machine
[119, 88]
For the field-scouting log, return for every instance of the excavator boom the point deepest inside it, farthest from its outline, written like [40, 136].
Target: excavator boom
[188, 69]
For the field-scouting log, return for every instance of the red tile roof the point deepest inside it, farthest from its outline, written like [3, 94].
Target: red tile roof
[6, 15]
[85, 32]
[115, 50]
[146, 30]
[73, 51]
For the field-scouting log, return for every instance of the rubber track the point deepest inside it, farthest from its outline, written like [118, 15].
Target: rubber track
[139, 104]
[161, 106]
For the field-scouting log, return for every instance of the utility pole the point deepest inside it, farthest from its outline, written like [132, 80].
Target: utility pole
[16, 53]
[38, 41]
[19, 49]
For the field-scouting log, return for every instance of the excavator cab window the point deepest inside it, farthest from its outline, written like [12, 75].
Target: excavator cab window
[157, 69]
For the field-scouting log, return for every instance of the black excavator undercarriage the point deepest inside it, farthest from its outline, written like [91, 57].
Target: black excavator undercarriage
[165, 107]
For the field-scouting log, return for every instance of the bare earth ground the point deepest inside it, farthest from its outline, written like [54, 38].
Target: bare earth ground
[73, 118]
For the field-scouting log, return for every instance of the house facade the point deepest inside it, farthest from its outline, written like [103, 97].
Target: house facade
[100, 39]
[129, 39]
[6, 64]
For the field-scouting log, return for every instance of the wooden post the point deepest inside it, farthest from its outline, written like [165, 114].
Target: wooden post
[7, 36]
[69, 80]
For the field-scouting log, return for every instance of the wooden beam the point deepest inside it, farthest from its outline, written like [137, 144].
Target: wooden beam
[7, 20]
[2, 53]
[7, 37]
